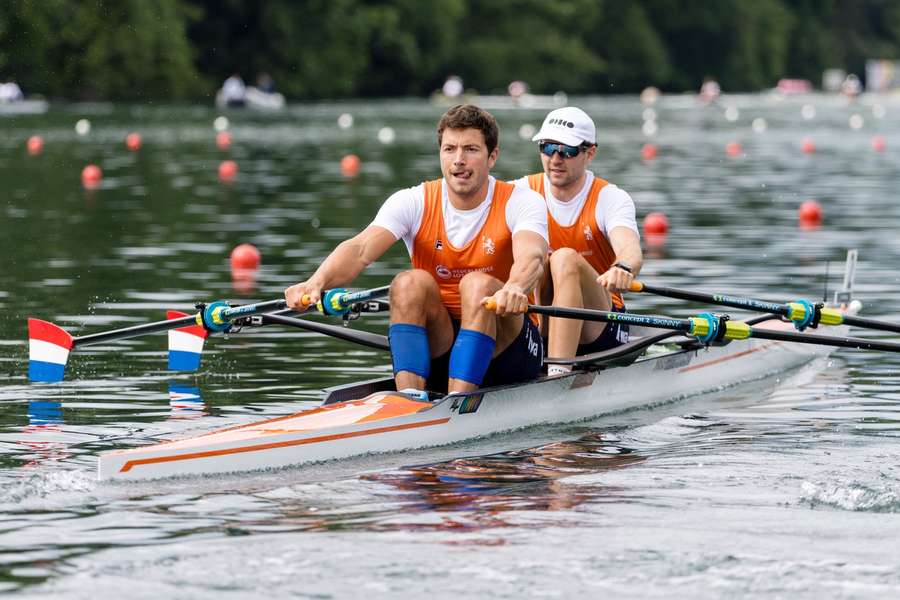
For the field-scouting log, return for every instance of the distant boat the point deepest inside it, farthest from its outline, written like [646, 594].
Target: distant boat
[254, 99]
[33, 106]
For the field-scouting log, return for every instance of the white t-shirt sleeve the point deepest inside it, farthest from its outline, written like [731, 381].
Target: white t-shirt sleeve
[615, 208]
[526, 211]
[402, 213]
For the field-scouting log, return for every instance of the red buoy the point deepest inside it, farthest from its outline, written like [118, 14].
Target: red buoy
[223, 140]
[656, 223]
[878, 143]
[809, 215]
[244, 257]
[350, 165]
[648, 151]
[733, 149]
[133, 141]
[228, 170]
[35, 145]
[91, 176]
[807, 146]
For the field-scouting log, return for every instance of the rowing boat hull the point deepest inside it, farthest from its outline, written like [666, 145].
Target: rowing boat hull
[389, 422]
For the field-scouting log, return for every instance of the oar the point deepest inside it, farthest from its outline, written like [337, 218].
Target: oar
[803, 313]
[707, 327]
[49, 344]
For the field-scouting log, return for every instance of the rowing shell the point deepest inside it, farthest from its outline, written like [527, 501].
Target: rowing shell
[372, 418]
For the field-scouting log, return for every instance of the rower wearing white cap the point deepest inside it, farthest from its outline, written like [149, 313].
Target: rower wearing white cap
[594, 241]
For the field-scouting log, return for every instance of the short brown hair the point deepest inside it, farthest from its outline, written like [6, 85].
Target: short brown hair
[469, 116]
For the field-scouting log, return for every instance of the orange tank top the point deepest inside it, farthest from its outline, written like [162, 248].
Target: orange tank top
[583, 235]
[490, 251]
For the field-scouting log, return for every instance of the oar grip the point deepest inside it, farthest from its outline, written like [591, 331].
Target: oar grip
[491, 304]
[636, 286]
[305, 300]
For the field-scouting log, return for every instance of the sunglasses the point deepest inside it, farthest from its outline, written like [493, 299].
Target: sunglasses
[564, 150]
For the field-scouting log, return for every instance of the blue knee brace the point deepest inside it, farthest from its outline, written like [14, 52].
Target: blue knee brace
[471, 356]
[409, 349]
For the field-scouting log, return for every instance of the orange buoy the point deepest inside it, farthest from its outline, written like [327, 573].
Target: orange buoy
[733, 149]
[350, 165]
[223, 140]
[228, 170]
[244, 257]
[133, 141]
[35, 145]
[648, 151]
[809, 214]
[807, 146]
[878, 143]
[656, 223]
[91, 176]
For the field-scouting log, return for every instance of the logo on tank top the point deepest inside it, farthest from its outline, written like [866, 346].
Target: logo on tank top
[587, 233]
[487, 244]
[443, 272]
[438, 245]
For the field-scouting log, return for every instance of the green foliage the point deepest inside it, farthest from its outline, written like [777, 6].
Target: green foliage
[184, 49]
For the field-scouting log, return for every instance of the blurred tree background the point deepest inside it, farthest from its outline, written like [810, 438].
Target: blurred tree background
[183, 49]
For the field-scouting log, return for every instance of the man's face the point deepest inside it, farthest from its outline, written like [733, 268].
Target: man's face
[465, 161]
[563, 172]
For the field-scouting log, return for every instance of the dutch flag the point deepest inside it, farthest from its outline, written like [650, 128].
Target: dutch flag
[185, 344]
[48, 351]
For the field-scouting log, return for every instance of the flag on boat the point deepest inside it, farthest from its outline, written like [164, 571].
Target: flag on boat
[185, 344]
[48, 351]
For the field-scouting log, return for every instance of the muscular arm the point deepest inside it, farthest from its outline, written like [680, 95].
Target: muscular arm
[343, 264]
[627, 246]
[529, 252]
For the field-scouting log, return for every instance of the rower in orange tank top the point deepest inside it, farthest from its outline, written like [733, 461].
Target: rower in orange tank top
[591, 263]
[471, 239]
[490, 251]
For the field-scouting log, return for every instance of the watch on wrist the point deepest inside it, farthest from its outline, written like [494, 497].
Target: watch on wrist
[623, 266]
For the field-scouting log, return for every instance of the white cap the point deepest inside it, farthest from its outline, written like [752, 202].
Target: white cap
[568, 125]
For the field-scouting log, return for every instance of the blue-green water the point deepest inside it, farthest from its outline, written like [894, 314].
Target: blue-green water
[784, 488]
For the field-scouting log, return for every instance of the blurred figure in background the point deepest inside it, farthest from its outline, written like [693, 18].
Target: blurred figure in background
[265, 83]
[710, 90]
[11, 92]
[234, 91]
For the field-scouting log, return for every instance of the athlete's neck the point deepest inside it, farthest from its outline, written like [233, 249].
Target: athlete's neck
[568, 192]
[468, 201]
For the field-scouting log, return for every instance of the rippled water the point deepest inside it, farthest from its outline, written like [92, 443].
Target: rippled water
[787, 487]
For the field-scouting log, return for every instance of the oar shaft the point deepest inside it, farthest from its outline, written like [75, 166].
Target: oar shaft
[129, 332]
[720, 299]
[364, 338]
[606, 316]
[836, 341]
[871, 324]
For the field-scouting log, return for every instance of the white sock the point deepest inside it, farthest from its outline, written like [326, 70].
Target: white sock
[558, 370]
[420, 394]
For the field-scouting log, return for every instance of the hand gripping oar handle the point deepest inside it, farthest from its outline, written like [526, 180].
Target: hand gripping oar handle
[338, 301]
[802, 313]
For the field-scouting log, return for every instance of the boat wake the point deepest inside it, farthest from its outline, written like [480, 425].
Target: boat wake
[853, 496]
[44, 486]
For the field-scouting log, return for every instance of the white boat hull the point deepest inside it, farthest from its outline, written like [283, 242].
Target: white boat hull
[389, 422]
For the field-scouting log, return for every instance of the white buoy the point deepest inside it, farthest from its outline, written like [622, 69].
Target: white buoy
[650, 128]
[82, 127]
[759, 125]
[527, 131]
[856, 121]
[878, 111]
[386, 135]
[732, 114]
[221, 123]
[649, 114]
[345, 121]
[808, 112]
